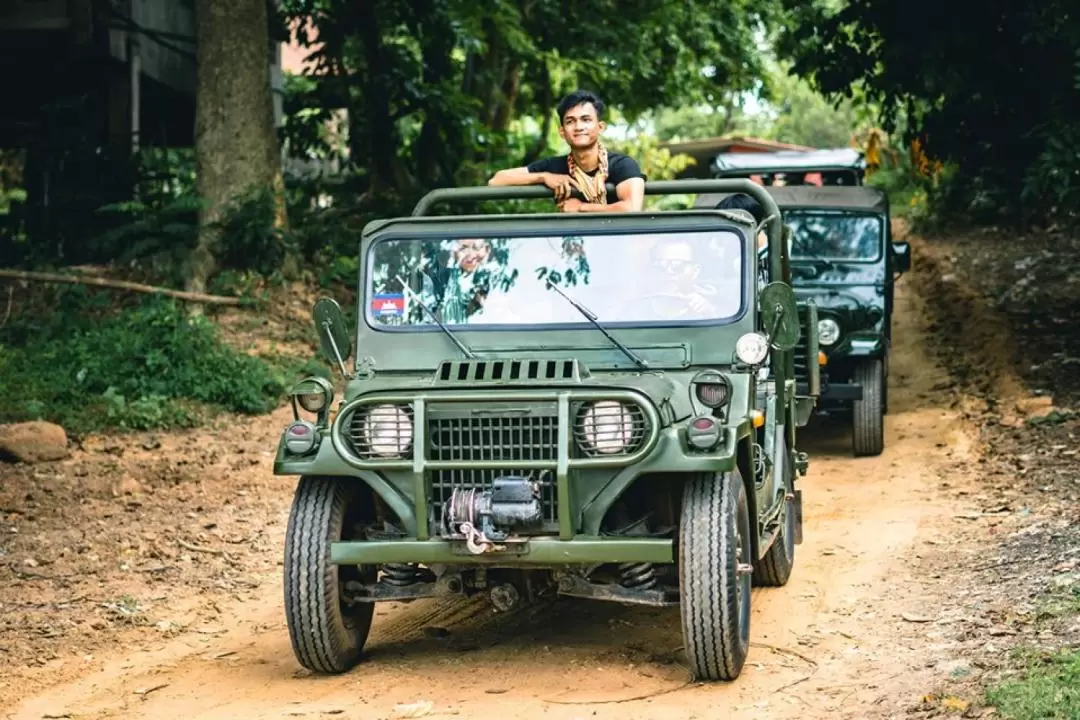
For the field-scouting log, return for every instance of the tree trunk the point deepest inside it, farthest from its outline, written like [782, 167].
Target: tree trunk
[386, 171]
[439, 147]
[236, 147]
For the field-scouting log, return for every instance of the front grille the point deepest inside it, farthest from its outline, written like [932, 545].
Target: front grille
[801, 353]
[516, 435]
[527, 433]
[802, 371]
[463, 436]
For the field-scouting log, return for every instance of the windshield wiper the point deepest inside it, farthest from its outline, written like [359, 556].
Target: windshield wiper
[592, 318]
[461, 346]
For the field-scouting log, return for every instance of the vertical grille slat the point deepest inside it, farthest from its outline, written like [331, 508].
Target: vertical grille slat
[802, 372]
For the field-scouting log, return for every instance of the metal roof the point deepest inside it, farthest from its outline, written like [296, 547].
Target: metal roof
[854, 197]
[789, 161]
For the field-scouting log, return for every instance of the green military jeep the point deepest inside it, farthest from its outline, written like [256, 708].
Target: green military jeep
[599, 406]
[844, 261]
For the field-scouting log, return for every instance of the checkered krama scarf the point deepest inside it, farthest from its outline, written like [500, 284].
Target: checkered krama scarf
[593, 188]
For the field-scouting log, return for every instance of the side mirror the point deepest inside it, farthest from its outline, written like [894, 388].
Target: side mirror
[901, 257]
[334, 338]
[780, 316]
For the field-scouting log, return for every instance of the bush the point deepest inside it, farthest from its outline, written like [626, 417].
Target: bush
[147, 366]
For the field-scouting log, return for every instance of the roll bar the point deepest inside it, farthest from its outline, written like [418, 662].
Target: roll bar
[657, 187]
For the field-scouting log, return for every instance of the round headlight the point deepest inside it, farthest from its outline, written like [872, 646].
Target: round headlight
[312, 402]
[386, 430]
[313, 394]
[752, 348]
[607, 427]
[712, 388]
[828, 331]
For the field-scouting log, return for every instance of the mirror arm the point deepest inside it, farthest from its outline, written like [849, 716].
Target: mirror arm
[337, 351]
[779, 310]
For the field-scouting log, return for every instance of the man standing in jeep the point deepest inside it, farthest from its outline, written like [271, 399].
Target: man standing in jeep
[579, 178]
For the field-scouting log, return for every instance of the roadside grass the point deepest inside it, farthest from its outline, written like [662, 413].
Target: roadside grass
[1046, 684]
[1048, 687]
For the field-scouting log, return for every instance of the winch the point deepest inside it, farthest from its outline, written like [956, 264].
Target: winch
[486, 517]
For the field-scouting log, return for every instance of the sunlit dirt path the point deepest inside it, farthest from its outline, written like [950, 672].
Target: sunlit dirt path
[835, 642]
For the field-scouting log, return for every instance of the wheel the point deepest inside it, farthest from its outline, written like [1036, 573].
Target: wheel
[774, 569]
[714, 575]
[868, 426]
[885, 386]
[327, 634]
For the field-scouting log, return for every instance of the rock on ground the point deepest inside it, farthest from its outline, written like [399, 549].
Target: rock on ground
[33, 442]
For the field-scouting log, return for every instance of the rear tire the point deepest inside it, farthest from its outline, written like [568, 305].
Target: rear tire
[327, 634]
[714, 575]
[868, 422]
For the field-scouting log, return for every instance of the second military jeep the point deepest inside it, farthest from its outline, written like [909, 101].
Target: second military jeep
[844, 261]
[600, 406]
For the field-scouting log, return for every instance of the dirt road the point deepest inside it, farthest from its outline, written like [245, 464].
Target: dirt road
[847, 637]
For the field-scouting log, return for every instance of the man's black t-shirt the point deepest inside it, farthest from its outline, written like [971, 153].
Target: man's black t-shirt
[620, 168]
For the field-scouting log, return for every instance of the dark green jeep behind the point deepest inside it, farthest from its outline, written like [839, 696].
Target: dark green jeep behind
[844, 262]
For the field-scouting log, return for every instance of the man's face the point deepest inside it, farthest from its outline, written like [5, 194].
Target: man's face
[581, 127]
[471, 254]
[676, 263]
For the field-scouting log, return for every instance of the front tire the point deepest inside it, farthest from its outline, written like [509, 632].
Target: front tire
[868, 422]
[327, 634]
[714, 575]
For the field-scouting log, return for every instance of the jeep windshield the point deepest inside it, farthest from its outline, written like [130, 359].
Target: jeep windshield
[834, 236]
[635, 279]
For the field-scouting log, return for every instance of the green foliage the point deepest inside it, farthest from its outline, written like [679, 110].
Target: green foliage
[250, 238]
[432, 88]
[155, 230]
[990, 90]
[1049, 689]
[148, 366]
[698, 123]
[804, 117]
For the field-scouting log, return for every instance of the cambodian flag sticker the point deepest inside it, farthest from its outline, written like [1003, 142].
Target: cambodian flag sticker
[392, 305]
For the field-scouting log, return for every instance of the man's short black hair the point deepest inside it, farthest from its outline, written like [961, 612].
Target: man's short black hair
[580, 97]
[742, 201]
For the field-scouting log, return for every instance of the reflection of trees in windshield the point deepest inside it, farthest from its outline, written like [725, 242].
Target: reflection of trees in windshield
[453, 277]
[834, 236]
[622, 278]
[573, 249]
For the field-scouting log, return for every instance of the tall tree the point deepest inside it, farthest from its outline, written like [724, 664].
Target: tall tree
[992, 87]
[236, 147]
